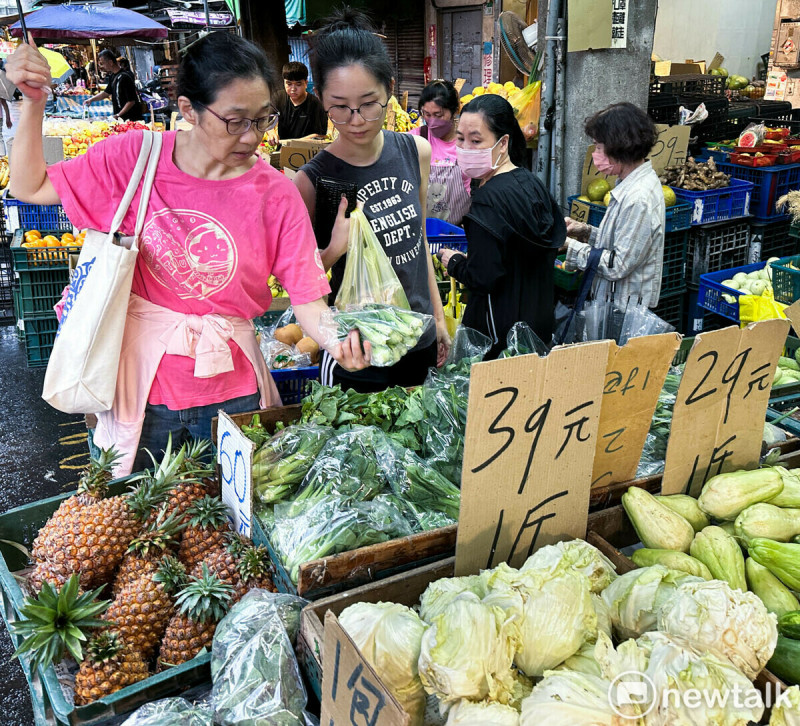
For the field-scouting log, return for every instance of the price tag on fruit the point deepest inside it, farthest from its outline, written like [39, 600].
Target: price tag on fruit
[235, 459]
[634, 378]
[529, 448]
[718, 420]
[352, 692]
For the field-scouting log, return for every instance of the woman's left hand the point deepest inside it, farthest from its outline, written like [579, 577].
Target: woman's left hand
[444, 255]
[443, 343]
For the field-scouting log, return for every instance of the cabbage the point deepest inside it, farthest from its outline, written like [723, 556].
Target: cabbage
[569, 698]
[787, 711]
[583, 661]
[556, 618]
[603, 613]
[439, 594]
[633, 599]
[627, 658]
[482, 713]
[577, 555]
[389, 637]
[467, 652]
[712, 616]
[726, 698]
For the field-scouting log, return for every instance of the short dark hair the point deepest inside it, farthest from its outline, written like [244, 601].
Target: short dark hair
[442, 93]
[295, 71]
[626, 132]
[216, 60]
[109, 55]
[500, 119]
[348, 38]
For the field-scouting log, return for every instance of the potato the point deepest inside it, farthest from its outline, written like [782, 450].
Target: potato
[289, 334]
[309, 345]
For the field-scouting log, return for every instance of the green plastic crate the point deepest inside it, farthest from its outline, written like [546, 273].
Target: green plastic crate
[565, 279]
[41, 289]
[21, 525]
[40, 336]
[37, 258]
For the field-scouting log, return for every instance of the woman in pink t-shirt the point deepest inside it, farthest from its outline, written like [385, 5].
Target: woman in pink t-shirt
[219, 222]
[448, 188]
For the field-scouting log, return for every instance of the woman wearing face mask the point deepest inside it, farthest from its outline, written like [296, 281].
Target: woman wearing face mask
[448, 189]
[353, 78]
[632, 230]
[514, 228]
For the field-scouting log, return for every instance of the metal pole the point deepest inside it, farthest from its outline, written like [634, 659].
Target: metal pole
[208, 16]
[22, 25]
[548, 92]
[557, 147]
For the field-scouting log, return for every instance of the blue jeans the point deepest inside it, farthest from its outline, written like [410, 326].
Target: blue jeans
[186, 424]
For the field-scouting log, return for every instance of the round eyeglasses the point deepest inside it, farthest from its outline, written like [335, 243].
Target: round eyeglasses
[370, 111]
[240, 126]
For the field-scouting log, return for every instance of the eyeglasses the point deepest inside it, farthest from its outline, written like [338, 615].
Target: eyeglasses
[370, 111]
[240, 126]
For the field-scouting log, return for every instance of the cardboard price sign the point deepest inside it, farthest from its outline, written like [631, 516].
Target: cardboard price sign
[670, 149]
[634, 378]
[235, 459]
[718, 420]
[530, 442]
[352, 693]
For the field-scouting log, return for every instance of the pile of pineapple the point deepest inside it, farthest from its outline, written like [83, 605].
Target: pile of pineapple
[165, 554]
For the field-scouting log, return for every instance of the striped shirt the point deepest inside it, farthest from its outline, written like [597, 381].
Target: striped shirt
[632, 233]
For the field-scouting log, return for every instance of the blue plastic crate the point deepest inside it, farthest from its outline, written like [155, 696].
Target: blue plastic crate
[718, 205]
[442, 234]
[40, 216]
[676, 217]
[294, 383]
[711, 291]
[770, 183]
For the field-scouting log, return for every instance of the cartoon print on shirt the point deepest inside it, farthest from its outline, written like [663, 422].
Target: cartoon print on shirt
[437, 201]
[189, 252]
[394, 205]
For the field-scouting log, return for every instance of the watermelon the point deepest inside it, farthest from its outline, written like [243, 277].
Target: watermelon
[748, 138]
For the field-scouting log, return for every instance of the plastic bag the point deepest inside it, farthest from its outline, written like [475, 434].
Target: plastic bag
[253, 666]
[521, 340]
[415, 481]
[595, 315]
[639, 321]
[281, 464]
[391, 331]
[171, 712]
[469, 346]
[758, 131]
[279, 356]
[753, 308]
[655, 448]
[527, 105]
[368, 273]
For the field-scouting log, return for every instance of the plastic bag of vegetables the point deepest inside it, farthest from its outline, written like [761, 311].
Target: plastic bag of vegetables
[521, 340]
[171, 712]
[254, 670]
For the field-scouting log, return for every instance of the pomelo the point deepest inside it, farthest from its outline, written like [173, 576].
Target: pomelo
[670, 200]
[597, 189]
[607, 199]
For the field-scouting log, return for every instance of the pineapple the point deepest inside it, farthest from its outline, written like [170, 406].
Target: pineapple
[109, 665]
[92, 487]
[54, 622]
[208, 529]
[240, 565]
[93, 541]
[143, 608]
[200, 464]
[144, 552]
[201, 605]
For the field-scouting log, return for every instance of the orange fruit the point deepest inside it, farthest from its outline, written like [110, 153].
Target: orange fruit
[34, 233]
[67, 238]
[51, 241]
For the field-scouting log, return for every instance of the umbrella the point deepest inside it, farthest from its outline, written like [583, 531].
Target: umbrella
[59, 68]
[88, 21]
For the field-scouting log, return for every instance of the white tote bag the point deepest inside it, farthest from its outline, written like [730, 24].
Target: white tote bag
[81, 375]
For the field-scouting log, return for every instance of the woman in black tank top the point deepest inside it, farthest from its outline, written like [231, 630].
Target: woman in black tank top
[353, 77]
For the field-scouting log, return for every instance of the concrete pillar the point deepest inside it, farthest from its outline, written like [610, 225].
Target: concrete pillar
[598, 78]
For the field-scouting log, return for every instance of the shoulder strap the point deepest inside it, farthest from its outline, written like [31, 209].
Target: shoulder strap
[133, 184]
[147, 185]
[423, 132]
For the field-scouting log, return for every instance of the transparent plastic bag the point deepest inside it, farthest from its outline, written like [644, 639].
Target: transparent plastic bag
[469, 346]
[415, 481]
[280, 356]
[654, 452]
[758, 130]
[281, 464]
[639, 321]
[368, 273]
[171, 712]
[521, 340]
[390, 330]
[595, 315]
[527, 106]
[253, 666]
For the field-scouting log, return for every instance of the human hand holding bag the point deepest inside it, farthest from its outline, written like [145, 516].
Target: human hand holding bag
[81, 374]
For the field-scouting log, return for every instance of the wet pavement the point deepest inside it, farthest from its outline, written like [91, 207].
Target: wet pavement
[41, 453]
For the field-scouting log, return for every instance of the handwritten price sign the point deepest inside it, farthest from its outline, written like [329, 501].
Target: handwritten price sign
[718, 421]
[235, 459]
[530, 442]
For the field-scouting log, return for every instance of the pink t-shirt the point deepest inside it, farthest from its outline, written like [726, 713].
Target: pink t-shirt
[207, 247]
[443, 153]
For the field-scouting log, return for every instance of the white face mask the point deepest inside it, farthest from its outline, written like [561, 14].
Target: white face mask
[477, 163]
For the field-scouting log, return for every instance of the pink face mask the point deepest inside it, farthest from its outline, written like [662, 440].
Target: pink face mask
[603, 163]
[439, 127]
[477, 163]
